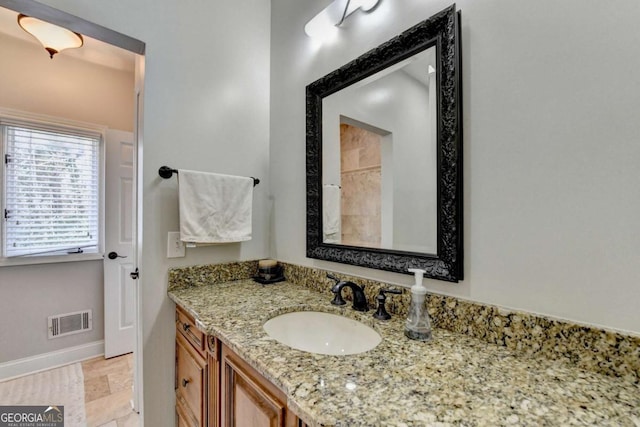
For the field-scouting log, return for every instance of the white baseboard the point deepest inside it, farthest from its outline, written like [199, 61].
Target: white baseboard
[42, 362]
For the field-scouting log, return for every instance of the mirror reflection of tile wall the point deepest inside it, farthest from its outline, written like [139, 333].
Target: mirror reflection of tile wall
[360, 175]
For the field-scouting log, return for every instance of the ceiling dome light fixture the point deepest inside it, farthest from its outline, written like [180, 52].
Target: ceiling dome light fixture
[53, 38]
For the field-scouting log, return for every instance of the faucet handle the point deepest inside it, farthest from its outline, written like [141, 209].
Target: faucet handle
[337, 299]
[381, 313]
[332, 277]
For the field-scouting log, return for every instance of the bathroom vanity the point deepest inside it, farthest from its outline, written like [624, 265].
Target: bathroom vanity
[216, 387]
[227, 366]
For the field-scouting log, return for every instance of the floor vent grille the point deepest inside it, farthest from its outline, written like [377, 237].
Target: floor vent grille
[70, 323]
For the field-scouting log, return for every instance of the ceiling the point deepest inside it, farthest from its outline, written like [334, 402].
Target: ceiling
[94, 51]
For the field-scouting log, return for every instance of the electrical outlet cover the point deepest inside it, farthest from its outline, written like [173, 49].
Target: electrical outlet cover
[175, 247]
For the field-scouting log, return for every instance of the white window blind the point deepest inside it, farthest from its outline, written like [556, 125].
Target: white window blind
[52, 191]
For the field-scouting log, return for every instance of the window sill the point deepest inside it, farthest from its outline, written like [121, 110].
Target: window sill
[55, 259]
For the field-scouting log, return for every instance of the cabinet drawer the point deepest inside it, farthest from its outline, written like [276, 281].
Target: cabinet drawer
[187, 327]
[191, 380]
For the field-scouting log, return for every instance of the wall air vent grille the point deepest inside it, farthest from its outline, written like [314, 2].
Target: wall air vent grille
[70, 323]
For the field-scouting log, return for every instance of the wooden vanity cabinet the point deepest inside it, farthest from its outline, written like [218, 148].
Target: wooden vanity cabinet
[216, 388]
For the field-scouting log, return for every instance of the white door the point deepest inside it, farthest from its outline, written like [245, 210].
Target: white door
[119, 287]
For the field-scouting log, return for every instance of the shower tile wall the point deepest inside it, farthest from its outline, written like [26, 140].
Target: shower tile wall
[360, 174]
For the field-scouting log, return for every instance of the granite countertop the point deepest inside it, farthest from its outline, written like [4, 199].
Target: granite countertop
[452, 380]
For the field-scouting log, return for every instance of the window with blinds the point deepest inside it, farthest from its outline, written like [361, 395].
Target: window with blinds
[51, 191]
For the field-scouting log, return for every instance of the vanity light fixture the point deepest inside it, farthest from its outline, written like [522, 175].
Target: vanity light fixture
[52, 37]
[325, 23]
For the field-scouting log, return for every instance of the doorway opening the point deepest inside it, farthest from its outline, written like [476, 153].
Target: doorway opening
[122, 59]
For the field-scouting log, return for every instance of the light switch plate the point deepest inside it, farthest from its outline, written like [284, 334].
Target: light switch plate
[175, 247]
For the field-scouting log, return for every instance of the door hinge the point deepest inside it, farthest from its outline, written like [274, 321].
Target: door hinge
[135, 274]
[6, 214]
[7, 159]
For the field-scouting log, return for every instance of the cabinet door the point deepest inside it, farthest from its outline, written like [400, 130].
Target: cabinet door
[248, 400]
[184, 418]
[191, 381]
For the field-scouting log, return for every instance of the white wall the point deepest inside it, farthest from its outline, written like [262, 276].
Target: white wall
[76, 90]
[206, 107]
[551, 150]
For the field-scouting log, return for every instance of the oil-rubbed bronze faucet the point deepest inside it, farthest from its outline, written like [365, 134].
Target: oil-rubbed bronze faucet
[359, 299]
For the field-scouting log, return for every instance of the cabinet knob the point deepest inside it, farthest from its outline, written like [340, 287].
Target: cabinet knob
[185, 327]
[185, 382]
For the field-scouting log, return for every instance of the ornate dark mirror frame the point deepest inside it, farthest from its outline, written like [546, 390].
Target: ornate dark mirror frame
[443, 31]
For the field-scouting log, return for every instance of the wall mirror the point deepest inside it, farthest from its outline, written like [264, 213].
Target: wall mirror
[384, 155]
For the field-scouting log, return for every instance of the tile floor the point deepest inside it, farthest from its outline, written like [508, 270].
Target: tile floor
[107, 392]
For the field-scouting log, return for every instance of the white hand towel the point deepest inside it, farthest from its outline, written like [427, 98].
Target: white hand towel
[214, 208]
[331, 213]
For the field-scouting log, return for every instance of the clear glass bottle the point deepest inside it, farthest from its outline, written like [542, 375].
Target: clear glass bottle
[418, 324]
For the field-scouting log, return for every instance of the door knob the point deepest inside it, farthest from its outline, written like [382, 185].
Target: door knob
[114, 255]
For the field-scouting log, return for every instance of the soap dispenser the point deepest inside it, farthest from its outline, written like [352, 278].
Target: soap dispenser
[418, 324]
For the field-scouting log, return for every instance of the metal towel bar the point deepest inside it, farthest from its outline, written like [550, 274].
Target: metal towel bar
[166, 172]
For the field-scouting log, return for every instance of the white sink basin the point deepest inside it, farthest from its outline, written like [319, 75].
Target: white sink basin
[322, 333]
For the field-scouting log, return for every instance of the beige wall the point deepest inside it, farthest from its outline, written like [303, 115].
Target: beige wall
[29, 294]
[64, 86]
